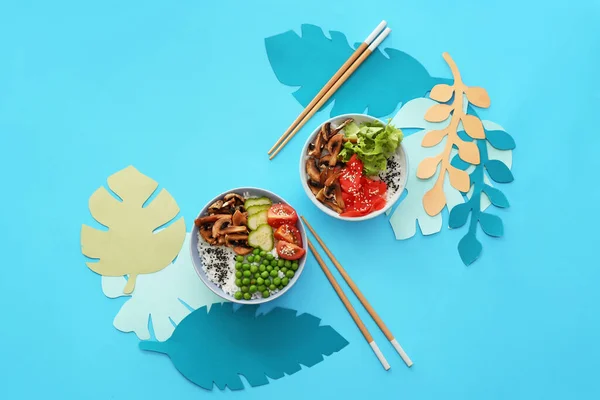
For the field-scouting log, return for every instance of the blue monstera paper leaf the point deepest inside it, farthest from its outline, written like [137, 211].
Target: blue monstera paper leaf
[310, 60]
[218, 346]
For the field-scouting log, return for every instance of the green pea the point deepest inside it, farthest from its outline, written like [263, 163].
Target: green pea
[257, 275]
[289, 274]
[247, 296]
[267, 282]
[260, 280]
[253, 289]
[239, 258]
[273, 263]
[256, 252]
[280, 263]
[280, 287]
[238, 282]
[262, 288]
[277, 281]
[266, 293]
[285, 281]
[238, 274]
[288, 263]
[244, 289]
[295, 267]
[265, 261]
[262, 268]
[272, 287]
[284, 270]
[257, 259]
[253, 281]
[269, 268]
[245, 266]
[253, 269]
[264, 274]
[238, 295]
[263, 253]
[273, 274]
[238, 265]
[245, 281]
[270, 256]
[250, 259]
[247, 273]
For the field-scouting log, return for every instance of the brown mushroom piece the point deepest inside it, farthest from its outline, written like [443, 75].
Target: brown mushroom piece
[316, 146]
[314, 186]
[330, 184]
[325, 159]
[233, 229]
[220, 224]
[334, 146]
[239, 218]
[215, 207]
[341, 126]
[235, 240]
[206, 234]
[242, 250]
[209, 219]
[326, 132]
[237, 197]
[333, 206]
[312, 170]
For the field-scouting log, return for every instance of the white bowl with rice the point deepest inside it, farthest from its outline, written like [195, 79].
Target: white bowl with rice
[216, 264]
[395, 176]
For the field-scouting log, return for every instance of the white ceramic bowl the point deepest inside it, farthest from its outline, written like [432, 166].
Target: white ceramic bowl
[252, 192]
[402, 160]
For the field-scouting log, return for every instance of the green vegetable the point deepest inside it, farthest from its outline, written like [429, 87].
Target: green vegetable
[273, 263]
[257, 201]
[238, 295]
[253, 269]
[270, 257]
[247, 296]
[269, 268]
[260, 280]
[280, 287]
[261, 235]
[238, 265]
[256, 252]
[257, 275]
[280, 263]
[263, 253]
[253, 289]
[262, 268]
[253, 281]
[246, 266]
[238, 274]
[265, 261]
[256, 209]
[238, 282]
[256, 258]
[375, 144]
[277, 281]
[250, 259]
[244, 289]
[264, 274]
[285, 281]
[265, 294]
[246, 281]
[247, 273]
[273, 273]
[272, 287]
[289, 274]
[284, 270]
[295, 266]
[288, 263]
[262, 288]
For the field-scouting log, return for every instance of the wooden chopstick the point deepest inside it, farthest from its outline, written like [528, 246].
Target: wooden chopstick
[388, 334]
[349, 307]
[360, 54]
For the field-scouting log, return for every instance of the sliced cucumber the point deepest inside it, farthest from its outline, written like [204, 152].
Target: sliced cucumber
[254, 209]
[257, 201]
[255, 220]
[262, 238]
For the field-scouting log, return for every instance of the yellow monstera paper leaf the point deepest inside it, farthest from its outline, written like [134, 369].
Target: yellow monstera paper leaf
[131, 246]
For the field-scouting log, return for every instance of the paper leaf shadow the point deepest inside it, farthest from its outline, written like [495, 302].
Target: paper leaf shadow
[219, 345]
[310, 60]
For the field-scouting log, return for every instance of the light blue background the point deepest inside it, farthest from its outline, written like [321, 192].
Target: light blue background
[180, 89]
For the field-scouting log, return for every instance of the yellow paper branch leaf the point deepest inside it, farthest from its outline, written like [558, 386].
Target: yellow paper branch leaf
[473, 126]
[438, 113]
[433, 138]
[478, 96]
[434, 200]
[130, 246]
[441, 92]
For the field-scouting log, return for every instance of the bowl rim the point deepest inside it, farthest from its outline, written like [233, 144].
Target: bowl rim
[329, 211]
[220, 292]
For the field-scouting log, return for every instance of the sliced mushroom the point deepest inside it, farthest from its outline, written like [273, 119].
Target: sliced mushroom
[339, 200]
[220, 224]
[206, 234]
[342, 126]
[215, 207]
[314, 186]
[239, 218]
[233, 229]
[333, 206]
[237, 197]
[315, 148]
[209, 219]
[242, 250]
[221, 240]
[334, 146]
[326, 131]
[313, 170]
[325, 159]
[236, 240]
[321, 195]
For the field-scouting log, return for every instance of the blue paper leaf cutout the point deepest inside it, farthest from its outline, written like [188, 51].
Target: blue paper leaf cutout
[469, 248]
[491, 224]
[496, 197]
[458, 162]
[498, 171]
[310, 60]
[459, 215]
[500, 140]
[219, 345]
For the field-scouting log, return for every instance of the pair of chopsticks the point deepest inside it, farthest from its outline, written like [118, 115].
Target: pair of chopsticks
[388, 334]
[346, 70]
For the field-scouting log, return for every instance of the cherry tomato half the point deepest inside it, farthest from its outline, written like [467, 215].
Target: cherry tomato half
[280, 214]
[289, 251]
[289, 233]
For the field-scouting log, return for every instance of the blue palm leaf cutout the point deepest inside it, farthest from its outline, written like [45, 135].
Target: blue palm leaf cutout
[219, 345]
[310, 60]
[469, 248]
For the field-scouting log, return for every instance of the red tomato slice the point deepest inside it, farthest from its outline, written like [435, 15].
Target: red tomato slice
[289, 233]
[280, 214]
[289, 251]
